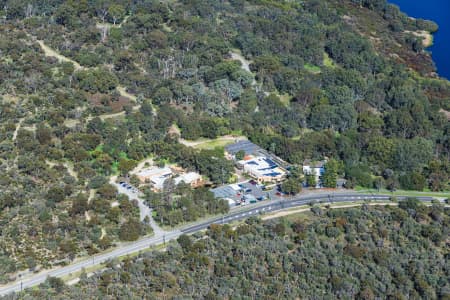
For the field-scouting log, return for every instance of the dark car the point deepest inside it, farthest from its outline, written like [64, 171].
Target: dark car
[278, 194]
[248, 190]
[253, 182]
[260, 198]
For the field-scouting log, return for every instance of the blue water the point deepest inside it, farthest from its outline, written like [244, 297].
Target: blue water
[439, 12]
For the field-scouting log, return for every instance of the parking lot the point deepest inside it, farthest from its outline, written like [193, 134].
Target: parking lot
[128, 187]
[247, 192]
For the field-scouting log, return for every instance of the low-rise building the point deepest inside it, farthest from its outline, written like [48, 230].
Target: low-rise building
[191, 178]
[263, 169]
[246, 146]
[315, 168]
[155, 175]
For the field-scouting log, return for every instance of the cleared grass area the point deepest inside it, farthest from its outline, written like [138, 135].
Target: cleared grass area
[312, 68]
[285, 99]
[213, 144]
[210, 144]
[445, 194]
[327, 61]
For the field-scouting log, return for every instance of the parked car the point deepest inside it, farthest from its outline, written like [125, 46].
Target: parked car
[253, 182]
[260, 198]
[278, 194]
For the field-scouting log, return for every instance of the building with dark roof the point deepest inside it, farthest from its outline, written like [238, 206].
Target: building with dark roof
[248, 147]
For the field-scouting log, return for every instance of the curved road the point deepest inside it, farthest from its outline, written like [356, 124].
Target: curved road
[144, 243]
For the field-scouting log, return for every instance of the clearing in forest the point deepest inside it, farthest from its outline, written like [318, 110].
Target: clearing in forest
[210, 144]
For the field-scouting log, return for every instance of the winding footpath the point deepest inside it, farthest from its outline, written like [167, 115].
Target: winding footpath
[163, 237]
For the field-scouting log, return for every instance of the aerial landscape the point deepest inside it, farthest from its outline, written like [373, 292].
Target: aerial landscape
[232, 149]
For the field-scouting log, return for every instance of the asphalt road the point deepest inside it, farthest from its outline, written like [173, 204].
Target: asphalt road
[144, 243]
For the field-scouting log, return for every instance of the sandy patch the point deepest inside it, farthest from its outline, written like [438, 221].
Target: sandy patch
[427, 38]
[445, 112]
[87, 216]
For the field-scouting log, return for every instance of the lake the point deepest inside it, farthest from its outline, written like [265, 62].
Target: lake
[439, 12]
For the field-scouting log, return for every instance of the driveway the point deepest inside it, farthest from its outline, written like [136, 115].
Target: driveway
[144, 211]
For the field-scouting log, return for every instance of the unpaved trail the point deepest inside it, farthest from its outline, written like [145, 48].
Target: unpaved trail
[103, 233]
[121, 89]
[246, 66]
[141, 165]
[91, 195]
[87, 216]
[52, 53]
[245, 63]
[73, 122]
[19, 124]
[109, 25]
[70, 169]
[123, 92]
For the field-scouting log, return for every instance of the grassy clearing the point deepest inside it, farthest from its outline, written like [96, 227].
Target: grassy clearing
[209, 144]
[285, 99]
[312, 68]
[327, 61]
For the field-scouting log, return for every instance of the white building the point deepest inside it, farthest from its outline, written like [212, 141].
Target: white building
[191, 178]
[314, 168]
[154, 175]
[263, 169]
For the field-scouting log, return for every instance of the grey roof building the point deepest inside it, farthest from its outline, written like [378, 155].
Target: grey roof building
[248, 147]
[225, 191]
